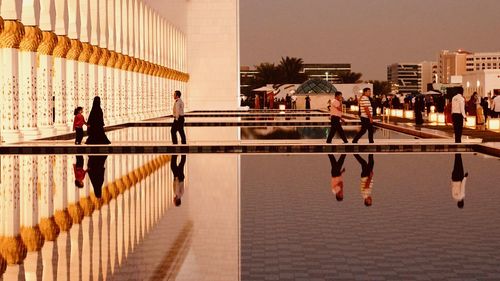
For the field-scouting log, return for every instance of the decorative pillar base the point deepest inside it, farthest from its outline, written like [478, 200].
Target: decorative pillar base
[30, 134]
[47, 131]
[63, 128]
[11, 136]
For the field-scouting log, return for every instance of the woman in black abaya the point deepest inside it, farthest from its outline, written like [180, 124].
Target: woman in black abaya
[95, 125]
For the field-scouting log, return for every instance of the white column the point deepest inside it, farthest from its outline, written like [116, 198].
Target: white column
[141, 81]
[96, 52]
[135, 75]
[124, 67]
[119, 61]
[105, 55]
[131, 53]
[147, 55]
[61, 174]
[45, 122]
[59, 79]
[84, 99]
[110, 71]
[48, 227]
[27, 71]
[9, 80]
[72, 56]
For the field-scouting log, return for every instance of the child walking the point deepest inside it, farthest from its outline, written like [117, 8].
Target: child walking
[78, 124]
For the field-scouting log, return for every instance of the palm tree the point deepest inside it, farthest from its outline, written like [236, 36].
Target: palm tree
[380, 87]
[267, 73]
[290, 70]
[349, 77]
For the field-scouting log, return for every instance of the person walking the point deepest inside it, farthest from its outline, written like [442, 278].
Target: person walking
[178, 173]
[495, 105]
[308, 102]
[178, 124]
[335, 118]
[78, 123]
[458, 115]
[95, 124]
[366, 115]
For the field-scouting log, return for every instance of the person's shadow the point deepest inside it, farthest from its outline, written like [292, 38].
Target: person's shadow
[336, 172]
[366, 178]
[96, 169]
[178, 172]
[79, 171]
[458, 179]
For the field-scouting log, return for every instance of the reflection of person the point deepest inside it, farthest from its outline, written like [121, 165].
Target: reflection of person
[458, 179]
[96, 170]
[335, 117]
[366, 178]
[366, 114]
[495, 104]
[178, 124]
[418, 108]
[79, 171]
[178, 172]
[95, 124]
[337, 180]
[458, 115]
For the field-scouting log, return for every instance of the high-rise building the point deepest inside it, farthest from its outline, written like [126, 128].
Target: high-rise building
[451, 64]
[482, 61]
[405, 77]
[429, 74]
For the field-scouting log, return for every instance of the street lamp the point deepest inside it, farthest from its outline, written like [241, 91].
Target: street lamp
[326, 73]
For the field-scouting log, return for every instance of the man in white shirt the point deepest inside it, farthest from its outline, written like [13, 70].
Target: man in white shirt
[366, 112]
[495, 105]
[458, 179]
[458, 114]
[178, 124]
[178, 173]
[335, 117]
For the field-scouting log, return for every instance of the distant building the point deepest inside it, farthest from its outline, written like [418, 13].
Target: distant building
[481, 81]
[405, 77]
[482, 61]
[326, 71]
[451, 64]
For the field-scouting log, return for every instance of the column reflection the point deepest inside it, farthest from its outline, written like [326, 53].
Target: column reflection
[82, 242]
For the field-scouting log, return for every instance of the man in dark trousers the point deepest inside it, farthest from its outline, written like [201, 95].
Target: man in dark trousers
[458, 179]
[458, 115]
[178, 172]
[366, 185]
[178, 124]
[335, 117]
[366, 114]
[337, 182]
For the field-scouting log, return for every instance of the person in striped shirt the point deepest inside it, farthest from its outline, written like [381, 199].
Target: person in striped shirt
[366, 185]
[366, 114]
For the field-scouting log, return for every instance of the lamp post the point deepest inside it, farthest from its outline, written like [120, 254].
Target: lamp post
[326, 74]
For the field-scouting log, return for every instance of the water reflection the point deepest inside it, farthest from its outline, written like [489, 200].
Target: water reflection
[366, 186]
[337, 182]
[96, 173]
[79, 171]
[178, 173]
[54, 226]
[458, 179]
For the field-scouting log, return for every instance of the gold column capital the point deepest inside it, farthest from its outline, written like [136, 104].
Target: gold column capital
[62, 47]
[1, 30]
[132, 63]
[49, 42]
[137, 65]
[86, 52]
[96, 55]
[126, 62]
[31, 40]
[119, 61]
[112, 59]
[105, 56]
[32, 238]
[13, 32]
[75, 50]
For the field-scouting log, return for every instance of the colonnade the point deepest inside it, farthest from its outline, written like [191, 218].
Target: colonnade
[42, 210]
[120, 50]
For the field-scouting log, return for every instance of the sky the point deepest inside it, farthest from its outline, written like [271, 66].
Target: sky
[369, 34]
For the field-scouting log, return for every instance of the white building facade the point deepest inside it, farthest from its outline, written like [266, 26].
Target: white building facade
[482, 81]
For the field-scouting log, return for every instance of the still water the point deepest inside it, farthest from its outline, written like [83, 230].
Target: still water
[250, 217]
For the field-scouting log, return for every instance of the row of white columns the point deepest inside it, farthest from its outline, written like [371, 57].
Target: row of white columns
[120, 50]
[49, 210]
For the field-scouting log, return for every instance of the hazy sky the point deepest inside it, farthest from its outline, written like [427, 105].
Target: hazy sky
[369, 34]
